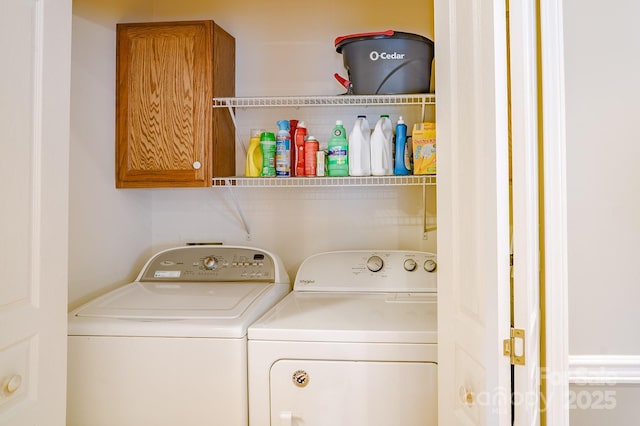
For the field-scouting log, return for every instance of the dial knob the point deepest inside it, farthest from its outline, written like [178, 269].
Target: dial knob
[210, 262]
[410, 265]
[375, 263]
[430, 265]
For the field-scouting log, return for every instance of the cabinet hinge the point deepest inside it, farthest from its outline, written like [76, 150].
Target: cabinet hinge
[513, 347]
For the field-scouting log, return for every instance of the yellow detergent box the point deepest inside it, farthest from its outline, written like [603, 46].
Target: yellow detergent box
[424, 148]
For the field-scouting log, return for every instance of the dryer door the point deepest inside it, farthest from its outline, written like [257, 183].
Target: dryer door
[353, 393]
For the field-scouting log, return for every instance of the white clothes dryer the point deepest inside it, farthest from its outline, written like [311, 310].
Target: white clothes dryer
[354, 344]
[170, 348]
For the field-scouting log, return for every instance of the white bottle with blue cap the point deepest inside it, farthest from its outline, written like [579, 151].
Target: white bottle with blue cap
[381, 147]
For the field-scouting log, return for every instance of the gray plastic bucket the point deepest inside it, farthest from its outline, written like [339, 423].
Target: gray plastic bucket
[387, 63]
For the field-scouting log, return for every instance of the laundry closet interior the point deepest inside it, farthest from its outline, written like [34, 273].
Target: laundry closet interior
[283, 48]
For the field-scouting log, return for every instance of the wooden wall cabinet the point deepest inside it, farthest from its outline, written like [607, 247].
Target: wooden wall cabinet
[167, 132]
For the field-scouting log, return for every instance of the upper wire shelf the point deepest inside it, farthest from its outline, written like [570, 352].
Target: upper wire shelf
[346, 100]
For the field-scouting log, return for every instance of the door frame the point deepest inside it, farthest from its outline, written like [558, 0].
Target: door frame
[555, 341]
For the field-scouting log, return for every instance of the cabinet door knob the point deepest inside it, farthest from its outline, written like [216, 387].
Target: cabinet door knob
[466, 395]
[13, 383]
[196, 165]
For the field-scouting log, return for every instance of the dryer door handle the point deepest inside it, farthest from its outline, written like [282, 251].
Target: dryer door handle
[286, 418]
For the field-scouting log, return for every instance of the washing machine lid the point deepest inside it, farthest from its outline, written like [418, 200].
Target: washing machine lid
[158, 301]
[350, 317]
[187, 309]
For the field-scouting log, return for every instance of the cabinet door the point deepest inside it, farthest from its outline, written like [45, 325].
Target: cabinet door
[164, 117]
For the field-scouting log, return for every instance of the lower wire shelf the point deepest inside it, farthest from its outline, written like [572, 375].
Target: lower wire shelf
[242, 181]
[232, 182]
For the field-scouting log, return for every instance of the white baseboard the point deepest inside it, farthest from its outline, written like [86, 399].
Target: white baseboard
[604, 369]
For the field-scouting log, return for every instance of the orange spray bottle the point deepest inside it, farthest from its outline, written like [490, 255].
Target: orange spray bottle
[293, 125]
[301, 133]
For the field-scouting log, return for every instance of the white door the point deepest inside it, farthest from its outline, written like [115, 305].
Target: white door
[525, 232]
[473, 213]
[35, 46]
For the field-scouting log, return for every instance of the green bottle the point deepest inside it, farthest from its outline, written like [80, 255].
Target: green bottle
[268, 147]
[338, 152]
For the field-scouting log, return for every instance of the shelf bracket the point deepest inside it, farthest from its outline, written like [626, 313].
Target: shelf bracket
[235, 126]
[425, 228]
[229, 185]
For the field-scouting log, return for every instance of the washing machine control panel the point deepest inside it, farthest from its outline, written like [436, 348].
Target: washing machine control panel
[210, 264]
[360, 270]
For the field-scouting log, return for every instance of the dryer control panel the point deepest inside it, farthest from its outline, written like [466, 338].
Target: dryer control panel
[211, 264]
[363, 270]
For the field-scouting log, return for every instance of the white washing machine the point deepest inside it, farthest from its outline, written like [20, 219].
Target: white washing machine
[354, 344]
[171, 348]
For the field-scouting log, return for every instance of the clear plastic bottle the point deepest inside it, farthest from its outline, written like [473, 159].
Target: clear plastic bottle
[382, 147]
[360, 148]
[338, 152]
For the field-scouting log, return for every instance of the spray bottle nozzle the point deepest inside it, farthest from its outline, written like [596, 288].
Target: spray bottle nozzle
[283, 125]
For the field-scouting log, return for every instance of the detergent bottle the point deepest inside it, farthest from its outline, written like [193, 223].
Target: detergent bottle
[283, 149]
[360, 148]
[268, 147]
[402, 151]
[338, 151]
[381, 147]
[253, 165]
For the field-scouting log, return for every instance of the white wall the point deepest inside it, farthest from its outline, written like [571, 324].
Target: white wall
[109, 230]
[284, 47]
[602, 68]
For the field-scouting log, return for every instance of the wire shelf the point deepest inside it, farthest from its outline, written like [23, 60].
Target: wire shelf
[346, 100]
[253, 182]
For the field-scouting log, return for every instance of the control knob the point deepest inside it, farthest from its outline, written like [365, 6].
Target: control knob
[430, 265]
[410, 265]
[375, 263]
[210, 262]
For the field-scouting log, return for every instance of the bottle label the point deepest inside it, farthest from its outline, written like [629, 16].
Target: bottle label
[310, 150]
[338, 155]
[320, 162]
[283, 157]
[268, 158]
